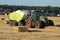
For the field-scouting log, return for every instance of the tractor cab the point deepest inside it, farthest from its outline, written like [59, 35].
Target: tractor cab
[37, 14]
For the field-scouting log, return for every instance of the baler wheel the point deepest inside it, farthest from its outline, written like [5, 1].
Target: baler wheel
[12, 23]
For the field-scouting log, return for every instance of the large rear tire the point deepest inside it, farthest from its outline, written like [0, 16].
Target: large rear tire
[28, 23]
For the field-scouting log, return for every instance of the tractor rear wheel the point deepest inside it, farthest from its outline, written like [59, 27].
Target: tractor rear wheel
[28, 23]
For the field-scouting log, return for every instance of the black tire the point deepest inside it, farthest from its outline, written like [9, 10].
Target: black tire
[39, 24]
[13, 23]
[50, 23]
[28, 23]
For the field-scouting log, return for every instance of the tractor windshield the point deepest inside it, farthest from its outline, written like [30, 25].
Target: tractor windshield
[39, 13]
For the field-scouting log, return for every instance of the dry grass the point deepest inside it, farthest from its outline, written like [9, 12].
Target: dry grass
[48, 33]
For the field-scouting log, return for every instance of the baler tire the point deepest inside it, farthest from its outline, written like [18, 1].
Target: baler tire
[13, 23]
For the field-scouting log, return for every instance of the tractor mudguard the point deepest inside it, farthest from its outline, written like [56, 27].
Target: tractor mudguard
[41, 18]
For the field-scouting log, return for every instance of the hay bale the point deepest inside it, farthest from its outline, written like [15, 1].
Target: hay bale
[23, 29]
[16, 29]
[20, 29]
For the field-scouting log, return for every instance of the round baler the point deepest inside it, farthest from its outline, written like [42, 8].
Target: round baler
[15, 17]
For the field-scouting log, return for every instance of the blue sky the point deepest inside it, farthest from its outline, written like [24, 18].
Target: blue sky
[31, 2]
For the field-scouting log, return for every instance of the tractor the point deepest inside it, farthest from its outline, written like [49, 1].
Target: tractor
[37, 19]
[31, 19]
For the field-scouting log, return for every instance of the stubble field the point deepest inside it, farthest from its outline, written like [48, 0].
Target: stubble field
[48, 33]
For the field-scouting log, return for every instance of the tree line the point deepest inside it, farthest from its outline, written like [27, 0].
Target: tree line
[48, 10]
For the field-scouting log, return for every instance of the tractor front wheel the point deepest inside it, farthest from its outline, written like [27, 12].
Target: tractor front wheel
[39, 24]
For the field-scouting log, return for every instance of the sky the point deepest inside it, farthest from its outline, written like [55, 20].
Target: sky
[31, 2]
